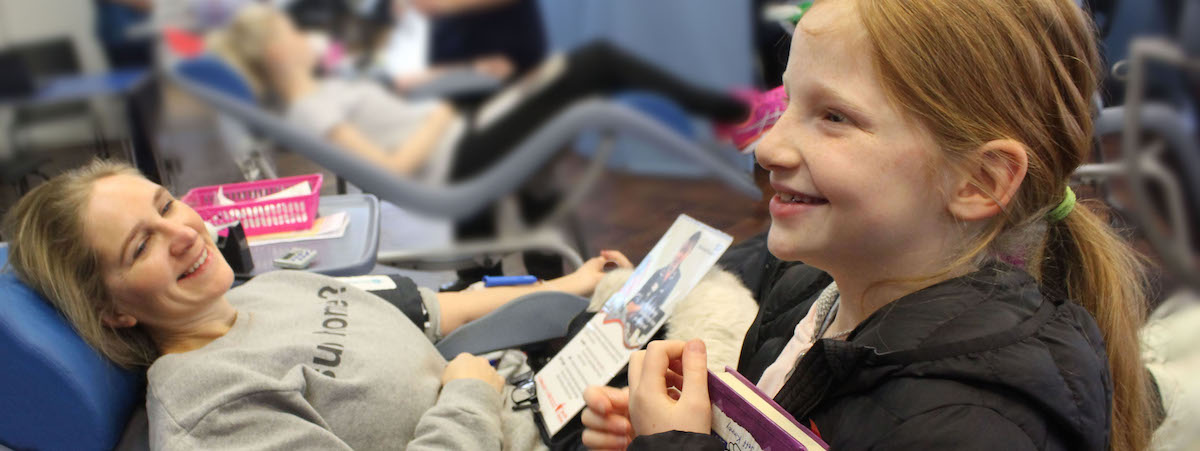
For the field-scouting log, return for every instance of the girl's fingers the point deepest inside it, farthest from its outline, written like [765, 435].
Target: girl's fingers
[676, 366]
[635, 370]
[659, 355]
[695, 372]
[618, 398]
[611, 424]
[596, 440]
[597, 400]
[674, 380]
[591, 419]
[674, 393]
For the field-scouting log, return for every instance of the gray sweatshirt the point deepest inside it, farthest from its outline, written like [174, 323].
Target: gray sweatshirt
[313, 363]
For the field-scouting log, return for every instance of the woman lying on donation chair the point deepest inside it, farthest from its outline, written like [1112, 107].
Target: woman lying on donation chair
[399, 134]
[289, 359]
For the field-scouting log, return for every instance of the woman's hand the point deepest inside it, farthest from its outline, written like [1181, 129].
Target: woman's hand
[498, 66]
[606, 418]
[583, 281]
[653, 407]
[467, 366]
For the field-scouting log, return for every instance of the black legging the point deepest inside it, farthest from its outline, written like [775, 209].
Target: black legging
[598, 68]
[595, 69]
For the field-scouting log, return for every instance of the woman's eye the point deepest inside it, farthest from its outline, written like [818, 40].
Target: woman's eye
[141, 247]
[166, 207]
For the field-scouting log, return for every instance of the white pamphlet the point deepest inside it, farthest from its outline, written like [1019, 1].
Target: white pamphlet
[629, 318]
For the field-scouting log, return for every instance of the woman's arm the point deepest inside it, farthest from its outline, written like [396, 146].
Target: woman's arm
[467, 410]
[462, 307]
[410, 154]
[466, 416]
[272, 419]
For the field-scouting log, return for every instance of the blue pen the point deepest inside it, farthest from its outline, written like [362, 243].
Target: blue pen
[503, 281]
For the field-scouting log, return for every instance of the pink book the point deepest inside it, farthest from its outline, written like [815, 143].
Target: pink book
[746, 419]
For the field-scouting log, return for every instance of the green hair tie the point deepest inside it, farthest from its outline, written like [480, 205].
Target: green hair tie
[1064, 208]
[802, 8]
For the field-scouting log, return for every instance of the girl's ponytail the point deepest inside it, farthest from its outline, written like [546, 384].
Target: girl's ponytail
[1099, 271]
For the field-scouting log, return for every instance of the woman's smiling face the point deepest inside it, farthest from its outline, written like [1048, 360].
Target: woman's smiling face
[159, 263]
[855, 178]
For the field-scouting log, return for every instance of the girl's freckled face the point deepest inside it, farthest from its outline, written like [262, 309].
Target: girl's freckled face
[858, 178]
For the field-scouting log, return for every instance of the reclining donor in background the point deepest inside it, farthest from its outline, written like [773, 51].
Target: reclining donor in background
[401, 135]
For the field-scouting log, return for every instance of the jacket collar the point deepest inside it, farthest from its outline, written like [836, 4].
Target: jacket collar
[933, 315]
[920, 327]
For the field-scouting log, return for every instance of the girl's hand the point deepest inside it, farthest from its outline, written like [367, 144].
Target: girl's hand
[583, 281]
[606, 418]
[467, 366]
[653, 408]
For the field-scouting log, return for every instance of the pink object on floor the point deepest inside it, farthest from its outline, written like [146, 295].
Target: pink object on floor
[765, 110]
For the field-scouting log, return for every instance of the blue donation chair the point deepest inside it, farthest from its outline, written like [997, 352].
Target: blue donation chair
[58, 393]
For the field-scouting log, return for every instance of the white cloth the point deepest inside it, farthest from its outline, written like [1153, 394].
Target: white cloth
[802, 340]
[1171, 350]
[407, 48]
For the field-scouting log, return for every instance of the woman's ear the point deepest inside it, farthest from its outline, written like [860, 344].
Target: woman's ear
[272, 55]
[991, 182]
[117, 320]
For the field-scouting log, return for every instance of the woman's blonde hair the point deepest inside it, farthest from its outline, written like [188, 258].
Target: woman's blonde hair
[976, 71]
[243, 44]
[49, 252]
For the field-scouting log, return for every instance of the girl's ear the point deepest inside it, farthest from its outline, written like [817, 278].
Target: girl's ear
[992, 182]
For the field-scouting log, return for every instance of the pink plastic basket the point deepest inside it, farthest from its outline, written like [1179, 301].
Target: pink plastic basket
[259, 217]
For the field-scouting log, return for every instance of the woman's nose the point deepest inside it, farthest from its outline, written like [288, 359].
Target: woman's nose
[180, 236]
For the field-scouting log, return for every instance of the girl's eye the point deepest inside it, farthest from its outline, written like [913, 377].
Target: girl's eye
[835, 117]
[166, 207]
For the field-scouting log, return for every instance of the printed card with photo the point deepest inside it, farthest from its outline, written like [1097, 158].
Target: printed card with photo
[629, 318]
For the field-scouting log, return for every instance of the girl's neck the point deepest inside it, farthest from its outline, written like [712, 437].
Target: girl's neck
[862, 296]
[859, 300]
[204, 328]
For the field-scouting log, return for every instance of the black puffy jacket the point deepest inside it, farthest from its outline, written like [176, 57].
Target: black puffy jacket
[984, 361]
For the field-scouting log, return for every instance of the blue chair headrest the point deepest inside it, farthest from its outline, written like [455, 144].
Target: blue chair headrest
[212, 72]
[57, 392]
